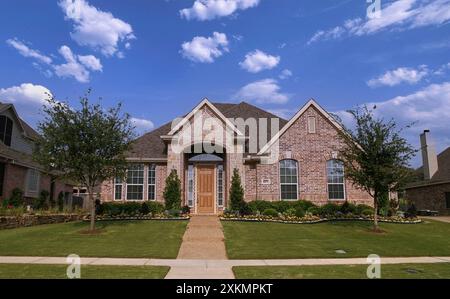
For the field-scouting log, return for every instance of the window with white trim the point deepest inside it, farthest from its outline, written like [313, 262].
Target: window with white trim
[289, 179]
[335, 176]
[220, 185]
[135, 182]
[118, 187]
[311, 124]
[152, 182]
[190, 186]
[32, 181]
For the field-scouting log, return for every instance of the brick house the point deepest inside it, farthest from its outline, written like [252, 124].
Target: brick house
[17, 168]
[433, 191]
[276, 159]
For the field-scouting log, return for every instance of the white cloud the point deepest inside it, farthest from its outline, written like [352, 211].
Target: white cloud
[72, 67]
[142, 125]
[400, 75]
[283, 112]
[25, 51]
[396, 15]
[205, 49]
[285, 74]
[27, 98]
[258, 61]
[210, 9]
[95, 28]
[428, 107]
[91, 62]
[263, 91]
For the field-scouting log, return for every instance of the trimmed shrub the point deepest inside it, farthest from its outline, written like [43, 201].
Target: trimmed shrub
[366, 212]
[174, 213]
[290, 212]
[329, 209]
[42, 202]
[172, 192]
[314, 211]
[16, 199]
[236, 192]
[259, 206]
[348, 208]
[155, 207]
[186, 210]
[244, 209]
[283, 206]
[361, 208]
[145, 210]
[121, 209]
[299, 212]
[270, 213]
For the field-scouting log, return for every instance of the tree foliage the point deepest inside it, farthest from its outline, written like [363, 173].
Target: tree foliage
[375, 155]
[172, 191]
[86, 145]
[236, 192]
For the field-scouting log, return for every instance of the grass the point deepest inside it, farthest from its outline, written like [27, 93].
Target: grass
[13, 271]
[132, 239]
[400, 271]
[288, 241]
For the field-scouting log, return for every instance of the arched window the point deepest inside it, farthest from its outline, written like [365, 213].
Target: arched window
[6, 126]
[335, 174]
[152, 182]
[289, 179]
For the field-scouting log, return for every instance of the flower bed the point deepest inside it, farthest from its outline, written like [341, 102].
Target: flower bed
[138, 218]
[309, 219]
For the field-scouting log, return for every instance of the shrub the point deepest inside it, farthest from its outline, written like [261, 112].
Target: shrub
[60, 201]
[411, 212]
[98, 207]
[155, 207]
[348, 208]
[174, 213]
[145, 210]
[361, 208]
[172, 192]
[236, 192]
[329, 209]
[42, 202]
[299, 212]
[16, 199]
[304, 204]
[244, 209]
[186, 210]
[125, 209]
[367, 212]
[259, 206]
[270, 212]
[314, 211]
[290, 212]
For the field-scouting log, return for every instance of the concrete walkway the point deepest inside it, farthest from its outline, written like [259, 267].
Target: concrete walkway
[437, 218]
[203, 240]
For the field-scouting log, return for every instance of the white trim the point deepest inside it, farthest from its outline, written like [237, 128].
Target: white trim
[223, 185]
[114, 190]
[143, 186]
[155, 184]
[310, 103]
[298, 180]
[344, 183]
[204, 102]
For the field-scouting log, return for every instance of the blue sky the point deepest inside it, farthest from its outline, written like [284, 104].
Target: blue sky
[161, 57]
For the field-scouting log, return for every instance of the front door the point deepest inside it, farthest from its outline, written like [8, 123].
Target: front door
[205, 189]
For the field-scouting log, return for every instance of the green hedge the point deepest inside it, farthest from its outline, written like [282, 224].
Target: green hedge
[131, 208]
[280, 206]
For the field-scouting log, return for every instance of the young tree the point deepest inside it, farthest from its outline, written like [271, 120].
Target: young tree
[87, 145]
[172, 191]
[236, 191]
[375, 156]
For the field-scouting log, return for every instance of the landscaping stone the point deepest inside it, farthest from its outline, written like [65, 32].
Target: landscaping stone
[9, 222]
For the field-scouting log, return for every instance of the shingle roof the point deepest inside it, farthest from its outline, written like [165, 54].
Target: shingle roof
[151, 145]
[29, 131]
[443, 173]
[19, 157]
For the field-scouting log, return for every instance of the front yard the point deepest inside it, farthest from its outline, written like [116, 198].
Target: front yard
[290, 241]
[87, 272]
[132, 239]
[400, 271]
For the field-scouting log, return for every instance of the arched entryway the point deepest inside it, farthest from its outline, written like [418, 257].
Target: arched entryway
[205, 180]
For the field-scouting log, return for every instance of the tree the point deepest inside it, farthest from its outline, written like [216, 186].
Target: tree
[87, 145]
[172, 191]
[236, 192]
[375, 156]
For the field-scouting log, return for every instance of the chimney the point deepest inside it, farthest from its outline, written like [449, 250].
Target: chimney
[429, 157]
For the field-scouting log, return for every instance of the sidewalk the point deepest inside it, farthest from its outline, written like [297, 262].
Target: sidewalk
[437, 218]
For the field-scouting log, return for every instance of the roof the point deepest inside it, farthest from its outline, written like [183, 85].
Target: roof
[20, 158]
[27, 129]
[441, 176]
[152, 146]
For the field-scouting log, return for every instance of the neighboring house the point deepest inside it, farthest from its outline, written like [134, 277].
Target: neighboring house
[433, 192]
[288, 160]
[17, 168]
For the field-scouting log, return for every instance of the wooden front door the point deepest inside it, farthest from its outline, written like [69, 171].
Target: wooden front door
[205, 189]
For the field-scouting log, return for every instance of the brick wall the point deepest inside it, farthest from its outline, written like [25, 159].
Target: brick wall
[430, 197]
[311, 151]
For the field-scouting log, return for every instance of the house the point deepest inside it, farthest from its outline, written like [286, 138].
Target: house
[17, 168]
[433, 191]
[276, 159]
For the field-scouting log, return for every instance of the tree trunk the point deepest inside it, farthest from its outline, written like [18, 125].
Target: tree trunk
[375, 214]
[92, 200]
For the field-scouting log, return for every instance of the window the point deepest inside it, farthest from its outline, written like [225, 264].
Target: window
[312, 124]
[335, 174]
[220, 186]
[190, 186]
[152, 182]
[135, 182]
[32, 181]
[289, 179]
[118, 187]
[2, 177]
[6, 126]
[447, 200]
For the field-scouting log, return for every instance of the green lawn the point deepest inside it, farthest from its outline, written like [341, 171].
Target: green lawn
[144, 239]
[400, 271]
[87, 272]
[248, 240]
